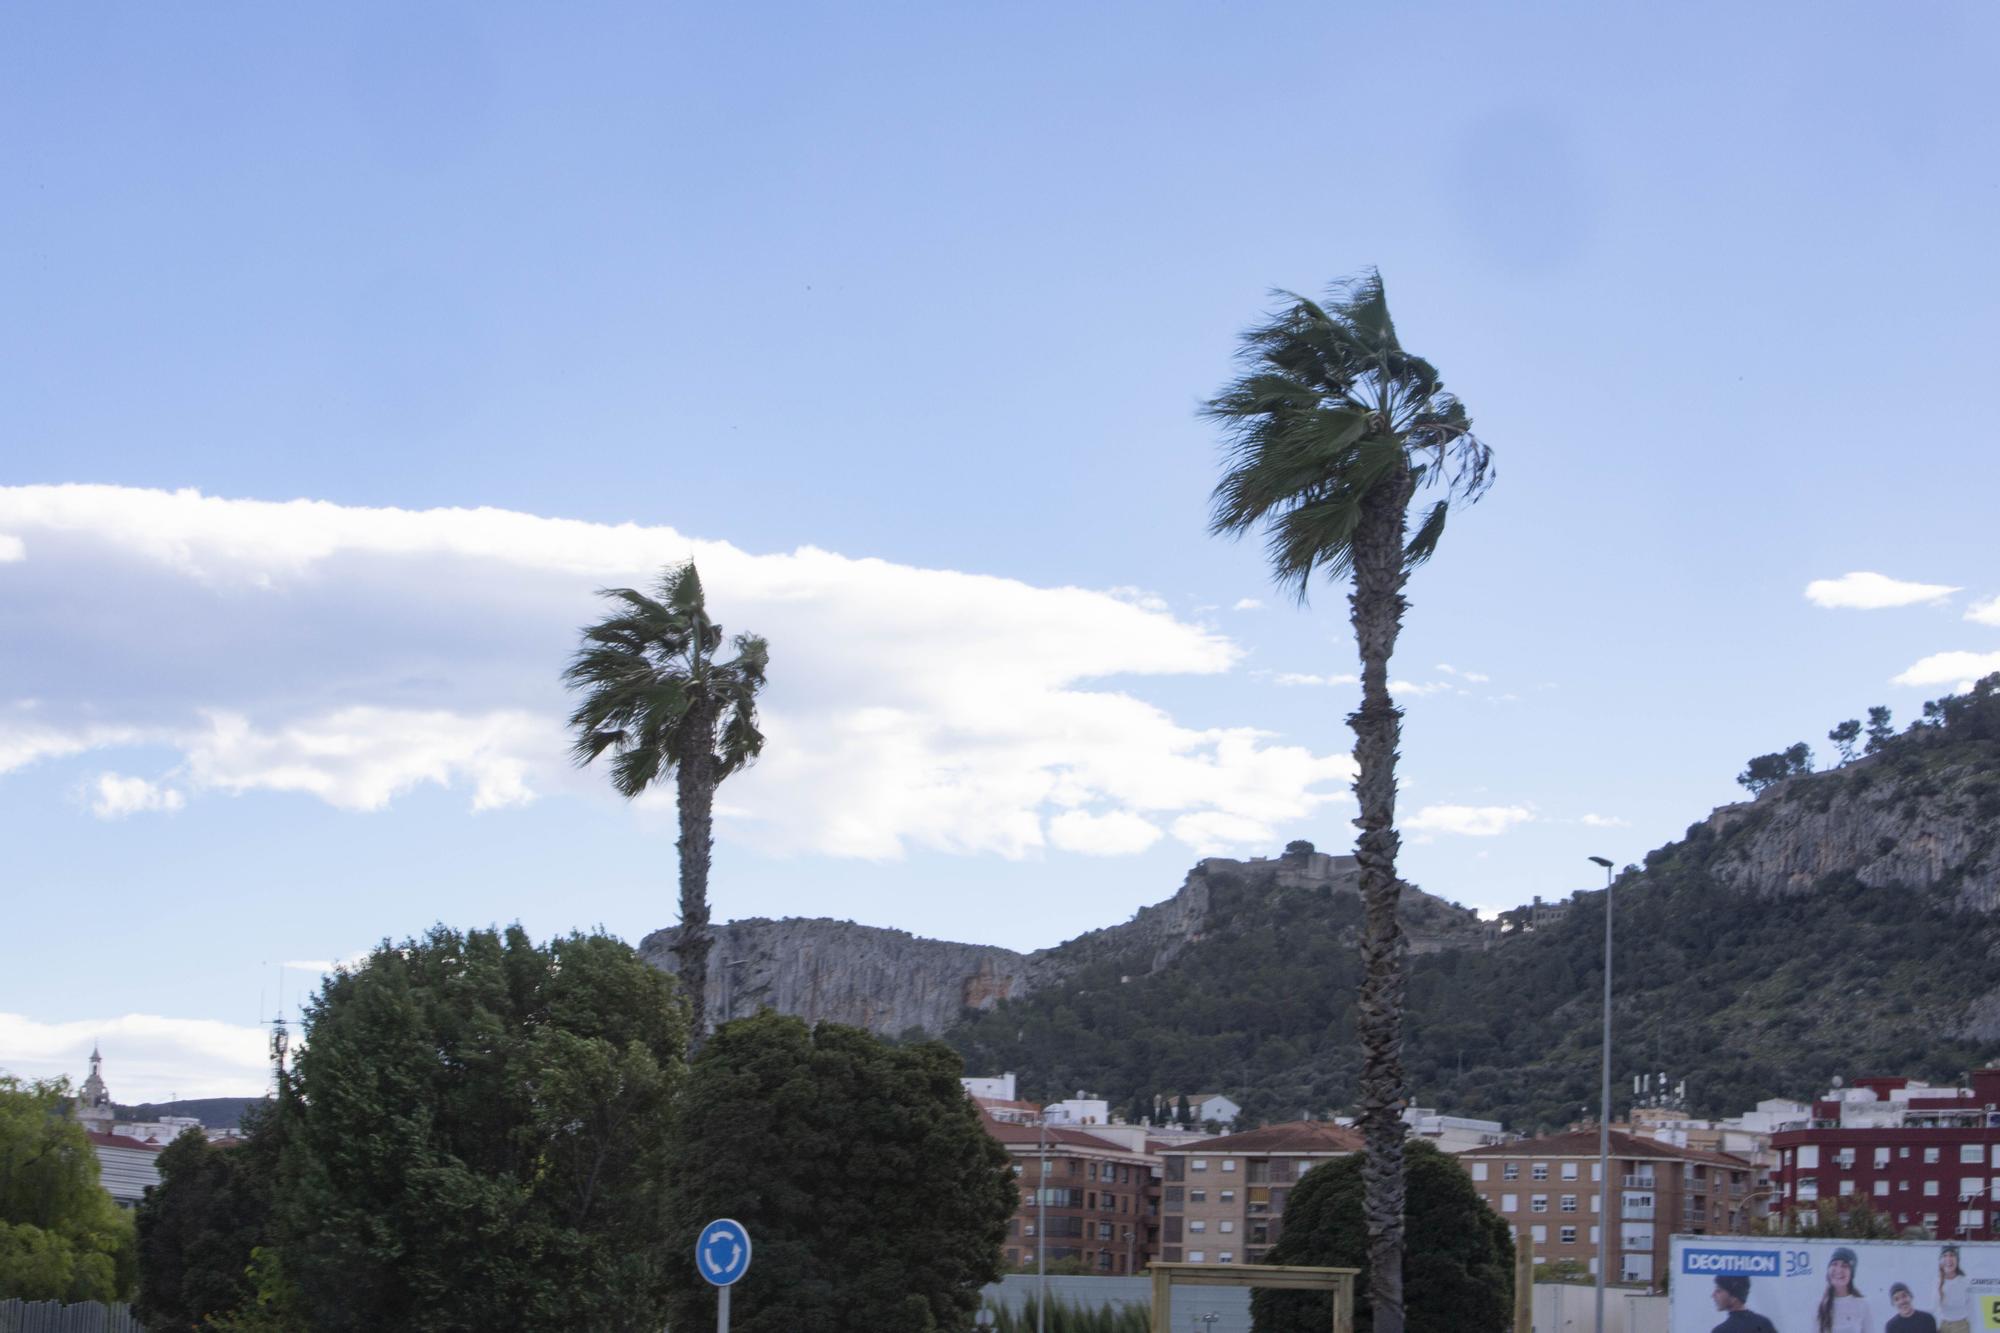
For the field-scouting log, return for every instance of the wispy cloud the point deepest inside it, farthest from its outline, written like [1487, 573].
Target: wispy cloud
[1957, 669]
[1476, 677]
[114, 796]
[1986, 612]
[1604, 821]
[1864, 591]
[1303, 678]
[1248, 604]
[147, 1057]
[351, 655]
[1471, 821]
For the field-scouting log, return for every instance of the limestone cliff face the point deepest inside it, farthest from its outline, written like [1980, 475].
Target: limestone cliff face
[1930, 828]
[890, 981]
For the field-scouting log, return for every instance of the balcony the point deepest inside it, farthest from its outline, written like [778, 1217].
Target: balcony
[1639, 1182]
[1636, 1212]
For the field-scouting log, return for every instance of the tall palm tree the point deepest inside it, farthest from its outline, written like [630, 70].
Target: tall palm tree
[1331, 431]
[659, 699]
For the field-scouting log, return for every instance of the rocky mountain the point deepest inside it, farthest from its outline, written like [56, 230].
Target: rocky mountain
[891, 982]
[1844, 922]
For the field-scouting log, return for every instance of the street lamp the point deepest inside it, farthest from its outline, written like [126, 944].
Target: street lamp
[1604, 1114]
[1042, 1224]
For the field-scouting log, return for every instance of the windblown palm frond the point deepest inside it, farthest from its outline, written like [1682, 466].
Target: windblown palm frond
[1329, 408]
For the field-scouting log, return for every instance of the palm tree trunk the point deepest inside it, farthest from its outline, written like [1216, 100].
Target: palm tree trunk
[1377, 611]
[695, 773]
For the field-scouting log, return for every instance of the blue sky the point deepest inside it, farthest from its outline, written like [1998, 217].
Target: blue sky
[343, 354]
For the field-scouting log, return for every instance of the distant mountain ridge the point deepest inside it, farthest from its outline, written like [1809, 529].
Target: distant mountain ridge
[1844, 922]
[213, 1112]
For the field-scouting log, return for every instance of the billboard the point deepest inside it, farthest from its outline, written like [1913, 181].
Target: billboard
[1795, 1284]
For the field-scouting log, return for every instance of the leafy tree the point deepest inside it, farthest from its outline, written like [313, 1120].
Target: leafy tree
[656, 695]
[1880, 733]
[1063, 1317]
[1767, 770]
[200, 1227]
[479, 1139]
[1843, 738]
[1333, 430]
[62, 1238]
[1460, 1270]
[875, 1199]
[1860, 1222]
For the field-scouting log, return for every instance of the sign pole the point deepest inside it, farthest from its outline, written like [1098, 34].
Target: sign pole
[722, 1310]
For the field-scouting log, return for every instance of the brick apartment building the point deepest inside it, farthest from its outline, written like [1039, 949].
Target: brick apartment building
[1101, 1204]
[1222, 1201]
[1926, 1157]
[1547, 1189]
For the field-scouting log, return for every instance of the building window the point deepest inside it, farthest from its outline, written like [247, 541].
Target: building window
[1569, 1170]
[1199, 1164]
[1567, 1235]
[1972, 1187]
[1569, 1203]
[1540, 1171]
[1881, 1188]
[1971, 1219]
[1881, 1157]
[1479, 1170]
[1930, 1155]
[1197, 1225]
[1225, 1227]
[1844, 1159]
[1593, 1237]
[1902, 1152]
[1197, 1256]
[1593, 1203]
[1846, 1188]
[1510, 1203]
[1540, 1234]
[1227, 1196]
[1538, 1203]
[1596, 1171]
[1972, 1152]
[1809, 1157]
[1197, 1196]
[1930, 1221]
[1226, 1257]
[1510, 1171]
[1930, 1188]
[1229, 1164]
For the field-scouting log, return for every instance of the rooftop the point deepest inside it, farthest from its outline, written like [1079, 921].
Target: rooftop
[1320, 1136]
[1583, 1143]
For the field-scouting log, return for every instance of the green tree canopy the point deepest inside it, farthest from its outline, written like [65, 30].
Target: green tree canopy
[62, 1238]
[199, 1227]
[875, 1200]
[477, 1137]
[1458, 1268]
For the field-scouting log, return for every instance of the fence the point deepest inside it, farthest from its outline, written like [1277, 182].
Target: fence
[18, 1316]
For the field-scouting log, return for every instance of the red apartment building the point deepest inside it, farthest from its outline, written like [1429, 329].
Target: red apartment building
[1926, 1157]
[1100, 1204]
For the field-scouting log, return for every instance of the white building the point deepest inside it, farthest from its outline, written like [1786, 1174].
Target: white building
[1208, 1107]
[1452, 1133]
[999, 1089]
[1082, 1109]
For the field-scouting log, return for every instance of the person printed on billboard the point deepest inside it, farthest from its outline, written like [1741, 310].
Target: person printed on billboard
[1842, 1309]
[1908, 1318]
[1954, 1301]
[1730, 1294]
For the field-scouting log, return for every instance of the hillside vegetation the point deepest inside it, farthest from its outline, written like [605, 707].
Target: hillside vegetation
[1842, 923]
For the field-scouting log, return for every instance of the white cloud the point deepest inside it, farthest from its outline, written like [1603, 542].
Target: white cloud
[1298, 678]
[1863, 591]
[147, 1057]
[354, 654]
[1247, 604]
[1958, 669]
[1420, 688]
[114, 796]
[1213, 832]
[1472, 821]
[1604, 821]
[361, 758]
[1118, 833]
[1986, 612]
[1476, 677]
[12, 549]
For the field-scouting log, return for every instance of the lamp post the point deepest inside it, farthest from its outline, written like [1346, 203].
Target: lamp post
[1042, 1225]
[1604, 1115]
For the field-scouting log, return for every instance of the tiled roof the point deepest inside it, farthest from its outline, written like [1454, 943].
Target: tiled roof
[1028, 1136]
[1320, 1136]
[120, 1141]
[1583, 1143]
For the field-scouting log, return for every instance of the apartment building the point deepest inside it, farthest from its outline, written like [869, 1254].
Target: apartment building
[1547, 1189]
[1925, 1156]
[1222, 1201]
[1098, 1198]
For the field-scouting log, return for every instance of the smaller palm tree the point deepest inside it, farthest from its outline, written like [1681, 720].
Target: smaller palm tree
[656, 696]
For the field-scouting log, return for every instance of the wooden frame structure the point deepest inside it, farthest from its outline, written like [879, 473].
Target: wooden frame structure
[1297, 1277]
